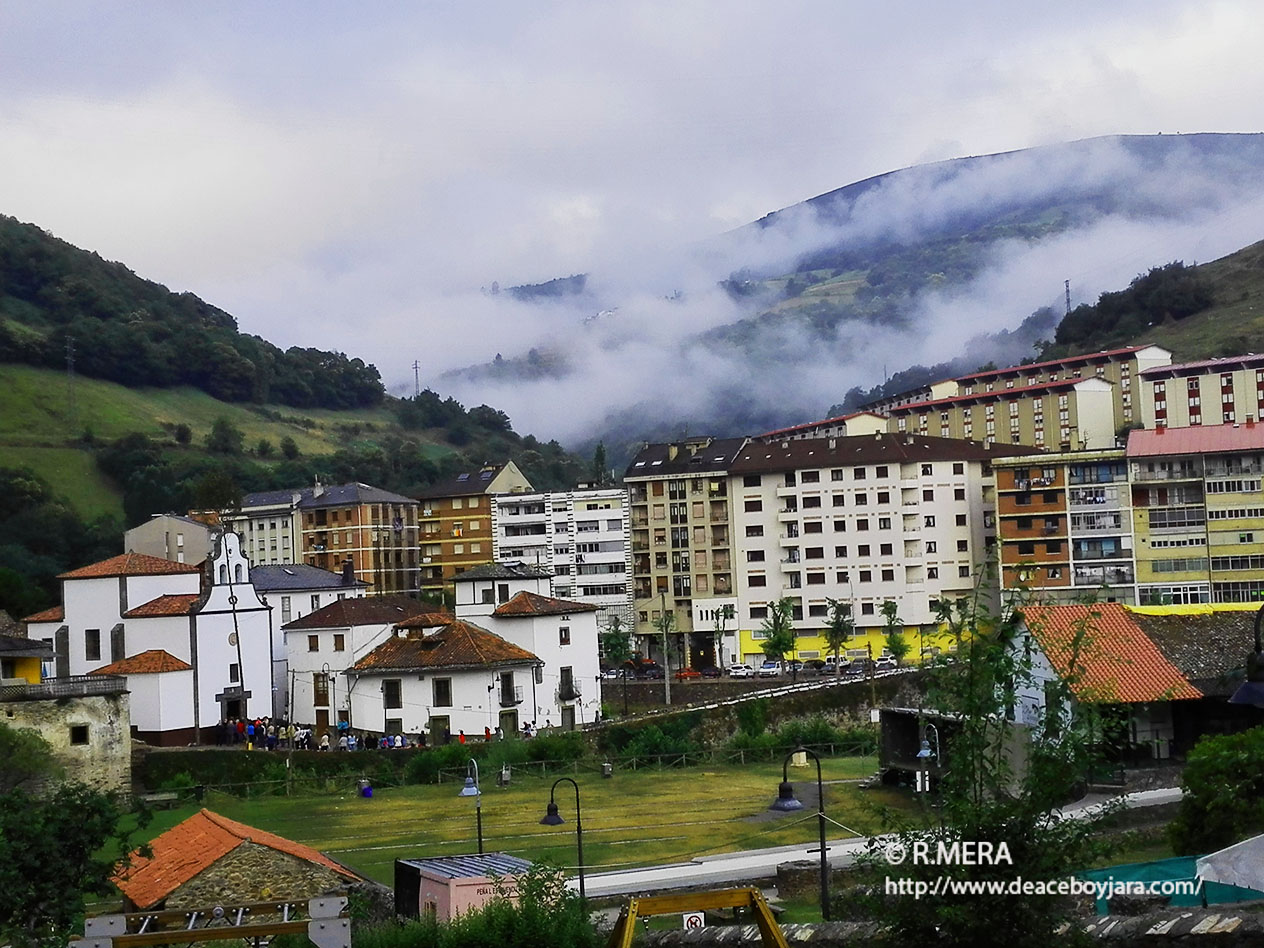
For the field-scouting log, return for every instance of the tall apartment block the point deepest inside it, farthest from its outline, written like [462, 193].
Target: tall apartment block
[1082, 425]
[867, 520]
[682, 542]
[1065, 526]
[582, 537]
[1213, 392]
[326, 526]
[842, 426]
[456, 522]
[1199, 513]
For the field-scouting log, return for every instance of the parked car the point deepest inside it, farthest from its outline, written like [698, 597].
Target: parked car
[814, 666]
[770, 669]
[857, 669]
[741, 670]
[885, 662]
[794, 665]
[686, 674]
[710, 671]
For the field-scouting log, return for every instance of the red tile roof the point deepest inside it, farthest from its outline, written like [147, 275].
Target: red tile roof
[458, 644]
[1109, 656]
[427, 620]
[816, 424]
[1087, 358]
[1200, 439]
[130, 564]
[53, 614]
[533, 604]
[153, 662]
[177, 605]
[368, 610]
[1205, 366]
[196, 844]
[1058, 386]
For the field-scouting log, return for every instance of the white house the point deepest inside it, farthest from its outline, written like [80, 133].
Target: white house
[456, 678]
[323, 645]
[175, 615]
[512, 601]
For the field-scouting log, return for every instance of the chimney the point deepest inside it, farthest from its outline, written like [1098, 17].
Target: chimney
[1159, 429]
[833, 443]
[318, 488]
[672, 451]
[1250, 421]
[348, 572]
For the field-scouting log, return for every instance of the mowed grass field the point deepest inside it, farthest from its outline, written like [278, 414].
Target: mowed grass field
[635, 818]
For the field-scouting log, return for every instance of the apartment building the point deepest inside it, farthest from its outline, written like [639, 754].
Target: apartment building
[1064, 523]
[1212, 392]
[682, 539]
[1119, 367]
[583, 537]
[456, 522]
[172, 537]
[327, 526]
[1066, 414]
[866, 520]
[842, 426]
[1198, 513]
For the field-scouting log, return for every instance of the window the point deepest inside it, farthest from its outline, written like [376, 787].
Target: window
[884, 497]
[862, 499]
[836, 474]
[753, 506]
[927, 470]
[958, 467]
[888, 575]
[315, 602]
[755, 531]
[810, 477]
[932, 572]
[811, 502]
[929, 520]
[78, 734]
[862, 523]
[884, 523]
[961, 520]
[750, 480]
[863, 550]
[866, 608]
[840, 551]
[442, 693]
[313, 643]
[816, 579]
[866, 576]
[963, 546]
[392, 693]
[837, 500]
[758, 581]
[814, 526]
[840, 526]
[1026, 549]
[234, 672]
[963, 572]
[285, 609]
[928, 494]
[759, 612]
[885, 549]
[815, 553]
[564, 635]
[92, 644]
[754, 556]
[858, 474]
[340, 642]
[959, 493]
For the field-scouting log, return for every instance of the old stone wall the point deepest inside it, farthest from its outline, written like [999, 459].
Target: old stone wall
[90, 736]
[255, 873]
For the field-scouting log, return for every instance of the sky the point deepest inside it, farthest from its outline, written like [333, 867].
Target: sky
[353, 177]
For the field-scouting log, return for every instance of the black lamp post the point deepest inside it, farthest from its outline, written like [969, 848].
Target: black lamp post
[786, 801]
[472, 789]
[1251, 691]
[551, 818]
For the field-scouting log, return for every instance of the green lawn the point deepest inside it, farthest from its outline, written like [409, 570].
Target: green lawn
[72, 473]
[636, 818]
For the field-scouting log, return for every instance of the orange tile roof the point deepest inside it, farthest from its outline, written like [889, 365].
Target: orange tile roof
[458, 644]
[53, 614]
[130, 564]
[152, 662]
[1115, 662]
[194, 845]
[171, 605]
[533, 604]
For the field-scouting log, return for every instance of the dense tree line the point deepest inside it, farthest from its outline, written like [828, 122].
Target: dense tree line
[139, 333]
[1174, 291]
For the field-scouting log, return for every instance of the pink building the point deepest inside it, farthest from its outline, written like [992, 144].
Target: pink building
[447, 886]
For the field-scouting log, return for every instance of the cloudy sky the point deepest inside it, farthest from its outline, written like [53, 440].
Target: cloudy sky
[348, 175]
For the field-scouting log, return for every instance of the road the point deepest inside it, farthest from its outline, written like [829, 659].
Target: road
[743, 867]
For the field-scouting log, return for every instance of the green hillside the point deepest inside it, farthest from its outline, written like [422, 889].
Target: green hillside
[1234, 324]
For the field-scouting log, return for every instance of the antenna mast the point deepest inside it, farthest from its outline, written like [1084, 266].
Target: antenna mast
[416, 378]
[1067, 288]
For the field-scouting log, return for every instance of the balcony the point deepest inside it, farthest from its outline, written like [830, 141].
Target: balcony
[1176, 474]
[1081, 555]
[568, 691]
[1103, 575]
[72, 686]
[511, 697]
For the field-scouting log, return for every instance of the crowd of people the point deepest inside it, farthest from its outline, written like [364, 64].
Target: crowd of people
[271, 734]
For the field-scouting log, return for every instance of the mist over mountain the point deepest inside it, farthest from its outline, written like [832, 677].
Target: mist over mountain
[774, 322]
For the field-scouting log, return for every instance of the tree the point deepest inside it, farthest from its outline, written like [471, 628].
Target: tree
[1001, 780]
[839, 628]
[893, 631]
[599, 465]
[264, 448]
[778, 629]
[27, 758]
[616, 642]
[183, 433]
[289, 449]
[1224, 793]
[224, 438]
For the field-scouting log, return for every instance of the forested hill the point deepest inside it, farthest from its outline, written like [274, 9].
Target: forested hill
[130, 330]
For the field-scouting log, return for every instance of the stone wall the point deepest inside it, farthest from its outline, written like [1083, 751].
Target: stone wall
[255, 873]
[105, 760]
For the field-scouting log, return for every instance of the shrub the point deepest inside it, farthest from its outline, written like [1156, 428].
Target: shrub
[1224, 793]
[566, 745]
[752, 717]
[425, 766]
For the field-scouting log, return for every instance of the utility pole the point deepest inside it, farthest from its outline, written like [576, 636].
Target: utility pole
[665, 626]
[416, 378]
[1067, 289]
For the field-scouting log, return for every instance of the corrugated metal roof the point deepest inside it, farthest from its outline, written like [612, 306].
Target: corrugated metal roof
[471, 867]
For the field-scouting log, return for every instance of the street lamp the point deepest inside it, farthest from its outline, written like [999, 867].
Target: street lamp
[787, 802]
[471, 789]
[1251, 691]
[552, 818]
